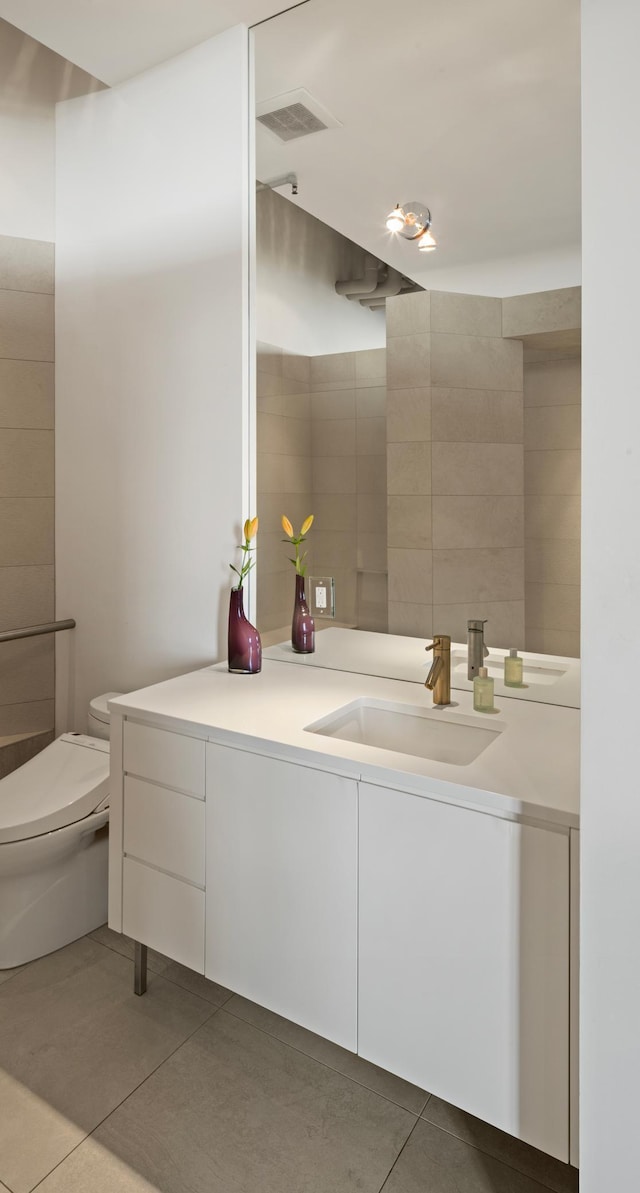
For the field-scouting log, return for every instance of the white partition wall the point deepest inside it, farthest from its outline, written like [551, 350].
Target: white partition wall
[152, 367]
[610, 820]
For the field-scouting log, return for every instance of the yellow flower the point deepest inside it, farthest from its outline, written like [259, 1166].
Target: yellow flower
[247, 528]
[306, 525]
[253, 529]
[286, 526]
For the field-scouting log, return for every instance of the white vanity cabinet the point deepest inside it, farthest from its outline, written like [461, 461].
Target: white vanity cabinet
[427, 929]
[157, 840]
[464, 959]
[281, 889]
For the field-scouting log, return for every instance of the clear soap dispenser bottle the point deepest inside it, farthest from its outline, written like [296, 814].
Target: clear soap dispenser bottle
[483, 691]
[513, 670]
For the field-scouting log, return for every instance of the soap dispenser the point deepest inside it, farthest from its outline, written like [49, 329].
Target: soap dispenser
[483, 692]
[513, 670]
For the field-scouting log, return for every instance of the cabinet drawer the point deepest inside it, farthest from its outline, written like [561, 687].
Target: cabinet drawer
[164, 913]
[164, 828]
[167, 758]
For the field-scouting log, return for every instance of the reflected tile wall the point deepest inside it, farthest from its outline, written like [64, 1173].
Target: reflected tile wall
[434, 441]
[455, 467]
[552, 504]
[283, 401]
[322, 449]
[26, 482]
[349, 482]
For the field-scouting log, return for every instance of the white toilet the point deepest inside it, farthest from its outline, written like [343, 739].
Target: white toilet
[54, 813]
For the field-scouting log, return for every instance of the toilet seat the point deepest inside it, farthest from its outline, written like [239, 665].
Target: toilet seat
[65, 782]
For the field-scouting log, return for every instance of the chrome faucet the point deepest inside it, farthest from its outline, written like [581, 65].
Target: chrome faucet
[477, 651]
[439, 678]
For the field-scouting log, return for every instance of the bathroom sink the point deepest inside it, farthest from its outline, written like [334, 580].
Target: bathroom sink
[534, 672]
[408, 729]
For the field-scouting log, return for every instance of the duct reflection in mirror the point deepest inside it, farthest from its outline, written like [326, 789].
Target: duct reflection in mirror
[425, 406]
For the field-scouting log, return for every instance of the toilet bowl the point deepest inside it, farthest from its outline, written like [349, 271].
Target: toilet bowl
[54, 846]
[99, 718]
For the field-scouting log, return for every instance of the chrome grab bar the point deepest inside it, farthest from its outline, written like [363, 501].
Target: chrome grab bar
[50, 627]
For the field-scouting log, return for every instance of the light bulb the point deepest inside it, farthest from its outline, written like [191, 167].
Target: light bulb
[395, 219]
[427, 242]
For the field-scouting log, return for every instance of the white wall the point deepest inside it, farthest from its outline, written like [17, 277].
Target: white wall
[33, 79]
[151, 367]
[610, 940]
[299, 261]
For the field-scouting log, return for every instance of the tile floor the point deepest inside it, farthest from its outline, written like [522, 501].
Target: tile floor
[191, 1089]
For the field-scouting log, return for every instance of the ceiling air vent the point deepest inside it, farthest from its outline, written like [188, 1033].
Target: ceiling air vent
[296, 114]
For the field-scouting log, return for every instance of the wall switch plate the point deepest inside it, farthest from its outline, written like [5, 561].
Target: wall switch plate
[322, 596]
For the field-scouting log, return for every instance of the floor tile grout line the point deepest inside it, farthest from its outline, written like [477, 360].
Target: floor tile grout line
[382, 1186]
[158, 974]
[416, 1114]
[490, 1155]
[131, 1092]
[20, 968]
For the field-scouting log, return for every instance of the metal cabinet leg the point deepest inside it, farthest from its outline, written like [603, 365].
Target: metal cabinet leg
[140, 970]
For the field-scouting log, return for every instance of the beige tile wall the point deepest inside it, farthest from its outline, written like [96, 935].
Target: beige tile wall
[552, 504]
[474, 508]
[549, 312]
[26, 482]
[455, 468]
[349, 481]
[284, 474]
[322, 450]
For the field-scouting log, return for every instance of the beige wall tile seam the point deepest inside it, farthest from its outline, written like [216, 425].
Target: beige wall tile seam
[431, 465]
[442, 550]
[475, 388]
[518, 493]
[30, 360]
[5, 567]
[20, 290]
[467, 335]
[431, 503]
[486, 443]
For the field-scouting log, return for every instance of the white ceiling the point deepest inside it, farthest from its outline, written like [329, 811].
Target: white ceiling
[473, 107]
[115, 39]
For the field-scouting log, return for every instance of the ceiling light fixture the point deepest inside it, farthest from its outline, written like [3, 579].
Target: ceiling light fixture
[427, 242]
[396, 219]
[413, 222]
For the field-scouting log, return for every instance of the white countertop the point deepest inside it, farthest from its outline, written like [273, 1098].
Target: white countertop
[393, 656]
[530, 769]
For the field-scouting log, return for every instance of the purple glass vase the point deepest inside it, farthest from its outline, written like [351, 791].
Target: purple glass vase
[245, 647]
[302, 626]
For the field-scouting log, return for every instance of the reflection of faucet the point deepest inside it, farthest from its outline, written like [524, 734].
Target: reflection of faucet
[439, 678]
[477, 651]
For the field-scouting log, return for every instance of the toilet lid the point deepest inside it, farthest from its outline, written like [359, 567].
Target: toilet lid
[98, 707]
[62, 784]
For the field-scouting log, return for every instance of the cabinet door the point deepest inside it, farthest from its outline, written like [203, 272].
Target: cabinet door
[281, 888]
[463, 960]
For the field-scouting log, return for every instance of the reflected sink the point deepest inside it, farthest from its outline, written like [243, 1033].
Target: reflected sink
[534, 673]
[408, 729]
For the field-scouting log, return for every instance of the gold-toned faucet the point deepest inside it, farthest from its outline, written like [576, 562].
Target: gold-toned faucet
[439, 678]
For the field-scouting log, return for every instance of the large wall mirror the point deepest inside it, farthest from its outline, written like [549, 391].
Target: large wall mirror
[427, 411]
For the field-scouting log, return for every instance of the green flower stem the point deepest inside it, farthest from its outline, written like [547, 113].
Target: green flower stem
[246, 563]
[298, 562]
